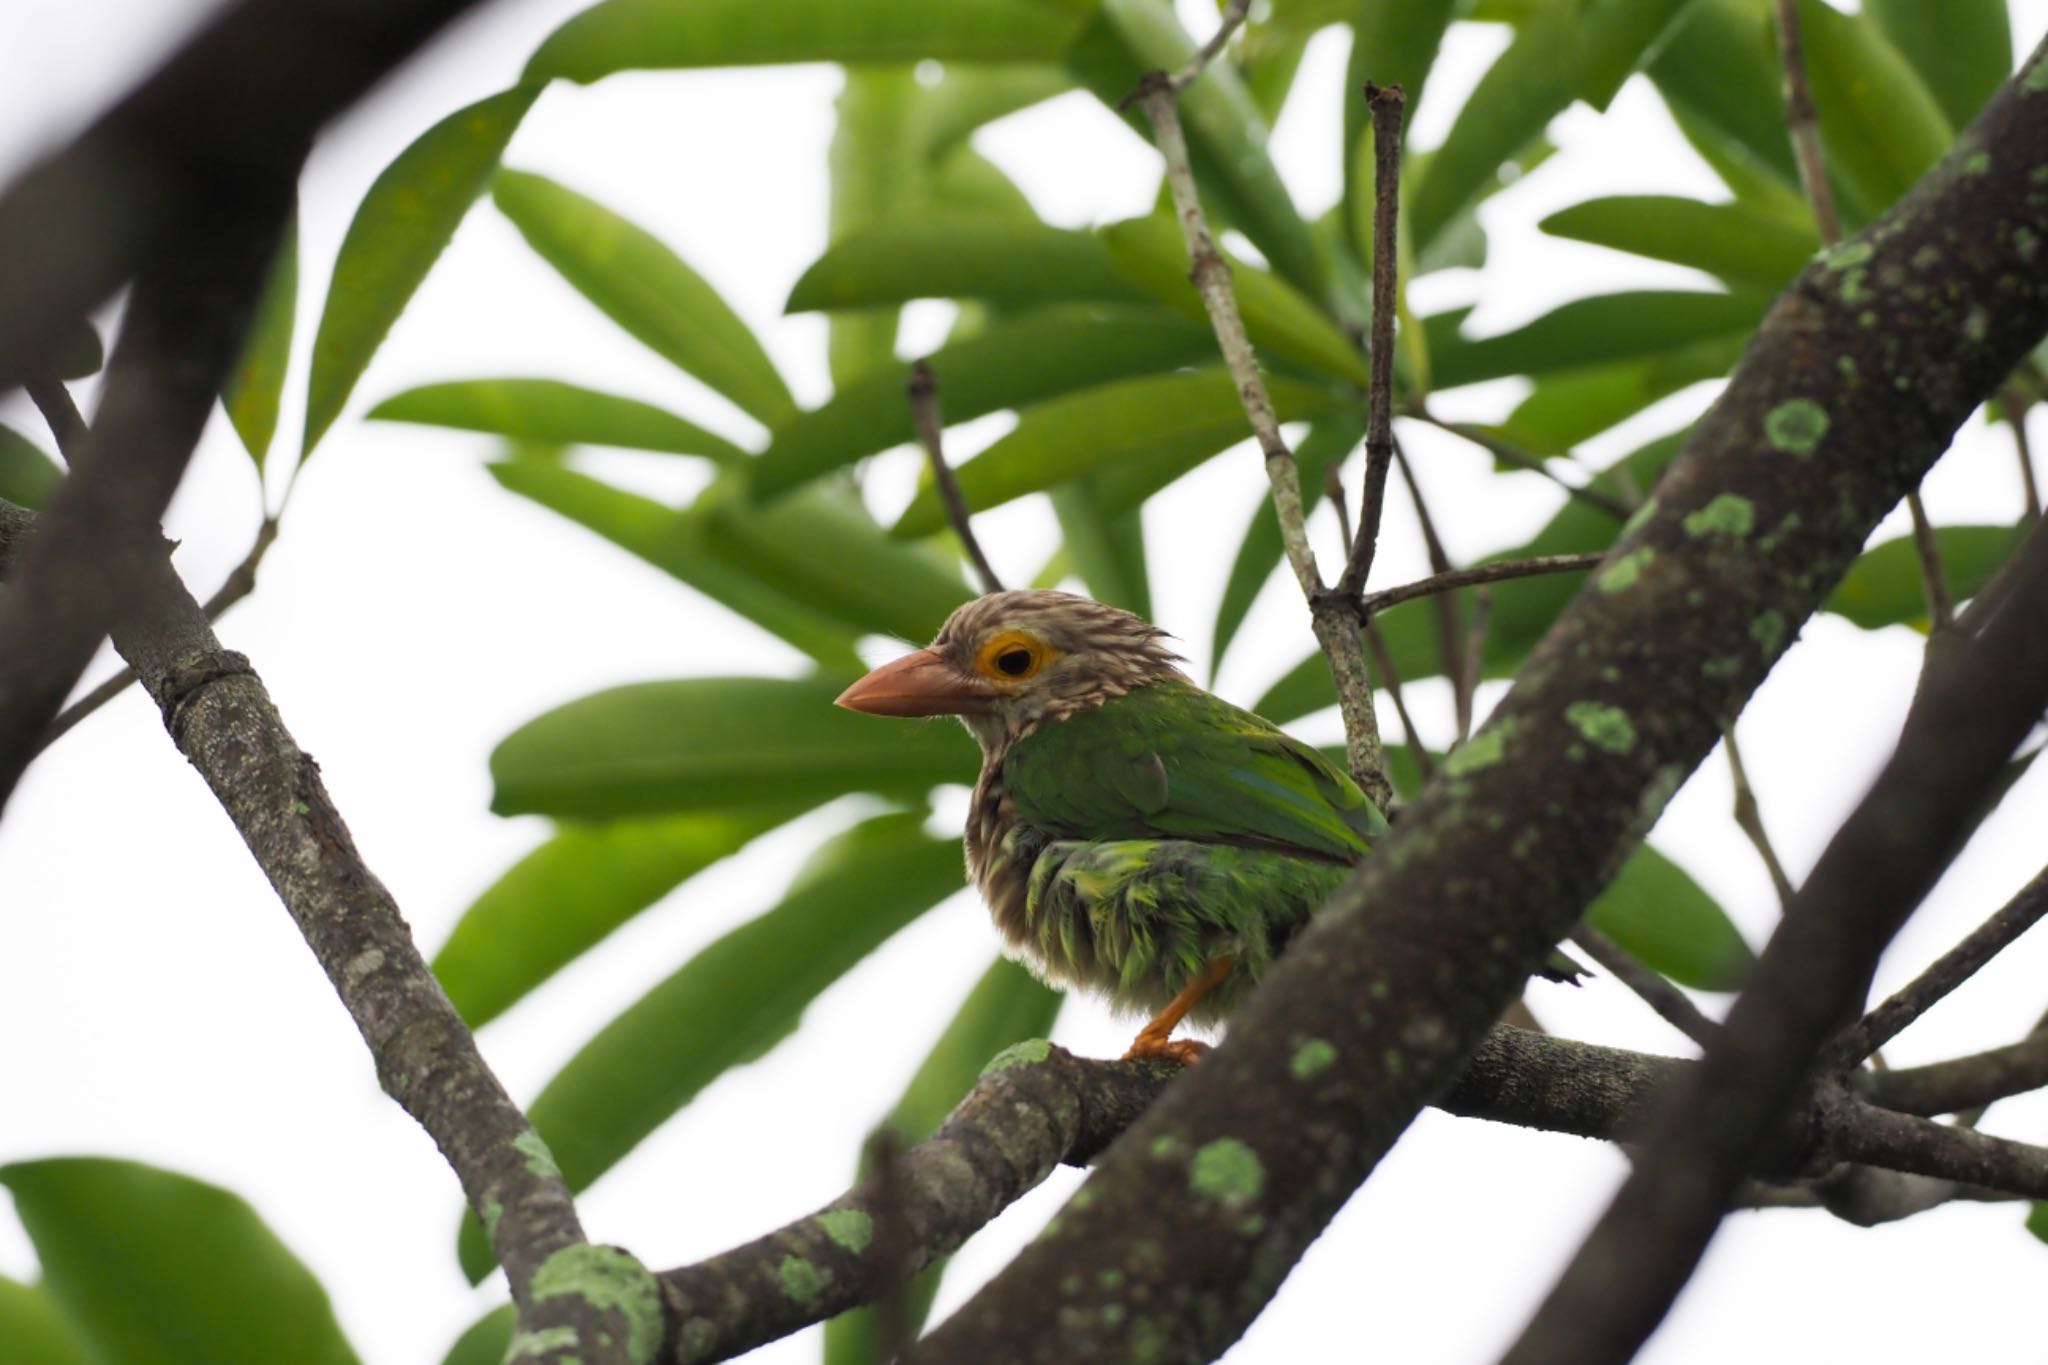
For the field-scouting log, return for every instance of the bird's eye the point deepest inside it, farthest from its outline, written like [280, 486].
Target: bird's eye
[1013, 655]
[1015, 662]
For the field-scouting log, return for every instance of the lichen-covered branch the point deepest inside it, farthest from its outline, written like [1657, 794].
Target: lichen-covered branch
[1849, 391]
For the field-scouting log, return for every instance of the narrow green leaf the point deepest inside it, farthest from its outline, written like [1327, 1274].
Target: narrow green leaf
[1961, 48]
[398, 233]
[1268, 59]
[1737, 242]
[1604, 329]
[26, 474]
[968, 98]
[1390, 45]
[878, 169]
[2037, 1219]
[1006, 1006]
[1259, 550]
[1884, 588]
[1277, 317]
[641, 35]
[639, 283]
[1720, 75]
[33, 1330]
[737, 998]
[1108, 552]
[1576, 405]
[715, 744]
[678, 544]
[965, 182]
[1663, 918]
[153, 1267]
[998, 258]
[1159, 426]
[1881, 127]
[487, 1341]
[1011, 363]
[568, 895]
[256, 384]
[548, 412]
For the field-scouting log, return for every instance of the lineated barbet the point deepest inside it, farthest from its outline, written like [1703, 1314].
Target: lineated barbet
[1133, 835]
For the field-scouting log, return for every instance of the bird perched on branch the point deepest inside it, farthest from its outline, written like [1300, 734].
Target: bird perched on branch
[1133, 835]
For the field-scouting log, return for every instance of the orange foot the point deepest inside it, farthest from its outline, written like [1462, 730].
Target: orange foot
[1183, 1051]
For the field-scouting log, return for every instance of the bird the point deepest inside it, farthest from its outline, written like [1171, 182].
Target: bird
[1134, 835]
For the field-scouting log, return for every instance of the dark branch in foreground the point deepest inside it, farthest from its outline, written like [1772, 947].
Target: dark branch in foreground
[923, 391]
[223, 720]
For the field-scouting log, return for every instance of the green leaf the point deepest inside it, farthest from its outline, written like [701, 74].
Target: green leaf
[1259, 550]
[737, 998]
[678, 543]
[33, 1330]
[1277, 317]
[1881, 127]
[1734, 241]
[398, 233]
[568, 895]
[968, 98]
[150, 1266]
[715, 744]
[2037, 1219]
[1884, 588]
[1961, 48]
[547, 412]
[1576, 405]
[1002, 259]
[1107, 551]
[487, 1341]
[1006, 1006]
[26, 474]
[1390, 45]
[1662, 918]
[256, 384]
[1159, 426]
[640, 35]
[1010, 364]
[878, 168]
[1604, 329]
[1720, 75]
[639, 283]
[1268, 59]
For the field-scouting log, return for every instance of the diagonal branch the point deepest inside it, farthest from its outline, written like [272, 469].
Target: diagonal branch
[1671, 1004]
[923, 391]
[1375, 603]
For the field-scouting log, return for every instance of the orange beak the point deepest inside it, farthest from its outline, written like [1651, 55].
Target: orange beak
[920, 684]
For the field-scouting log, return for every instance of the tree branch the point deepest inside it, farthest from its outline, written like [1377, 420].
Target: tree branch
[1385, 105]
[1233, 15]
[1400, 976]
[1672, 1004]
[1963, 1083]
[923, 390]
[1522, 459]
[1750, 820]
[1375, 603]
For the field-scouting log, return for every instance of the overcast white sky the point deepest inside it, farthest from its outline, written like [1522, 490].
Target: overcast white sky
[155, 1001]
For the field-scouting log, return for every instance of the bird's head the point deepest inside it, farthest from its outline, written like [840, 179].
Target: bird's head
[1011, 661]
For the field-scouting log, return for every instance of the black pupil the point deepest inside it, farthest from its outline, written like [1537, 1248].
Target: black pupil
[1015, 662]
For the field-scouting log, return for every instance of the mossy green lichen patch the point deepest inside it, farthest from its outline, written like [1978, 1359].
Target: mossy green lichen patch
[539, 1160]
[1977, 163]
[537, 1345]
[1622, 574]
[1483, 750]
[1227, 1170]
[1848, 255]
[799, 1280]
[1312, 1057]
[1605, 727]
[2036, 79]
[1796, 426]
[1019, 1054]
[1768, 630]
[609, 1280]
[850, 1228]
[1639, 518]
[1729, 514]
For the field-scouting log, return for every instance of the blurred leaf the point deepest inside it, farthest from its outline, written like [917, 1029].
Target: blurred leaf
[1883, 587]
[1720, 74]
[639, 35]
[80, 353]
[738, 997]
[26, 474]
[1268, 59]
[1161, 425]
[1733, 241]
[1564, 53]
[1961, 48]
[1011, 363]
[1000, 258]
[1749, 179]
[965, 182]
[1108, 552]
[647, 289]
[1576, 405]
[33, 1330]
[1006, 1006]
[566, 896]
[152, 1267]
[1152, 253]
[1662, 918]
[2037, 1219]
[487, 1341]
[716, 744]
[1259, 551]
[547, 412]
[1402, 770]
[1881, 127]
[256, 384]
[1592, 331]
[1390, 45]
[968, 98]
[677, 543]
[877, 165]
[398, 233]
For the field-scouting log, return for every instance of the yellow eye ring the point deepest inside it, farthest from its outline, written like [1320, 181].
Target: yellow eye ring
[1012, 656]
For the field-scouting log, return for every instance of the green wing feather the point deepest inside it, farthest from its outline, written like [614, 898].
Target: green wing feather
[1173, 761]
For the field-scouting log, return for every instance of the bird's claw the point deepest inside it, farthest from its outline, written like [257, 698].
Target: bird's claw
[1181, 1051]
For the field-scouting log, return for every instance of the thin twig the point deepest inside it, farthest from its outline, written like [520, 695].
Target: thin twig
[1336, 630]
[1386, 104]
[1521, 459]
[1941, 609]
[1233, 15]
[1390, 678]
[923, 389]
[1375, 603]
[1750, 820]
[1947, 972]
[1671, 1004]
[1450, 631]
[66, 424]
[2016, 403]
[1333, 489]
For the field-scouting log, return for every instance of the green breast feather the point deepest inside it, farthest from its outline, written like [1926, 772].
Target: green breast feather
[1173, 761]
